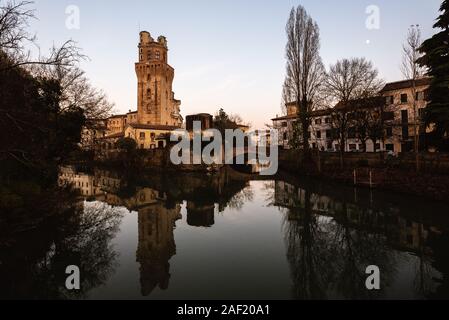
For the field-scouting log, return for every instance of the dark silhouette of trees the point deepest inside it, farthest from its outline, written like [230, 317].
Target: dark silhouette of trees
[44, 101]
[36, 133]
[436, 59]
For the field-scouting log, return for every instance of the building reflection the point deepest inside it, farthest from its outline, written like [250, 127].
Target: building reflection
[200, 215]
[156, 245]
[158, 207]
[403, 232]
[331, 240]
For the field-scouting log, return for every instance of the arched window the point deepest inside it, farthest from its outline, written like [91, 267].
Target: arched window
[158, 55]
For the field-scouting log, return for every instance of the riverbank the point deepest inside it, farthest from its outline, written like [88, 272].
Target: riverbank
[374, 171]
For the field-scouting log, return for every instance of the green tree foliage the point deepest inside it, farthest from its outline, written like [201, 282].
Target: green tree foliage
[436, 58]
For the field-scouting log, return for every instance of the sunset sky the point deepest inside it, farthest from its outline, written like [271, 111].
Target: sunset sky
[227, 54]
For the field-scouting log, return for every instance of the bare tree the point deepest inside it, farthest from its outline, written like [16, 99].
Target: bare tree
[411, 70]
[14, 21]
[352, 79]
[61, 64]
[237, 119]
[305, 71]
[77, 92]
[348, 81]
[340, 121]
[368, 121]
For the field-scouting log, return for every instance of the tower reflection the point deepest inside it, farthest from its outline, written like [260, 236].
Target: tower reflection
[158, 206]
[156, 245]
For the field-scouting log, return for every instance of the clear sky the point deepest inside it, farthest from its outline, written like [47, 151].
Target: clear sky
[226, 53]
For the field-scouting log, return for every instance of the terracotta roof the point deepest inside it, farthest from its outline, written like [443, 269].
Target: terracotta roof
[406, 84]
[152, 127]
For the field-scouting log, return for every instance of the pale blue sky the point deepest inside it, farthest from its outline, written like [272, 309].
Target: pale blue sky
[226, 53]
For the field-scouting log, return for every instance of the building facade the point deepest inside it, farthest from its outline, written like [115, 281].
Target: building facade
[398, 110]
[149, 136]
[404, 107]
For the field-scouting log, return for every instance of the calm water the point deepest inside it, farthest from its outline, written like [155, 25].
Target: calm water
[225, 237]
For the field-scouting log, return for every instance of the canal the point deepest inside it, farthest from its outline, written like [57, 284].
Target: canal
[225, 236]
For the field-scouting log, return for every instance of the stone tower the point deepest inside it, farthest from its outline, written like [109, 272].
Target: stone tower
[156, 104]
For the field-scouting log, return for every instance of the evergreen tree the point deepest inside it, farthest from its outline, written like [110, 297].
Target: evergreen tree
[436, 58]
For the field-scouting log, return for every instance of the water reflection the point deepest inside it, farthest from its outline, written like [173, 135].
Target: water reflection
[33, 261]
[158, 206]
[330, 242]
[156, 245]
[265, 239]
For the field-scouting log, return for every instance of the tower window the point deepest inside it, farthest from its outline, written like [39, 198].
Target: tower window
[158, 55]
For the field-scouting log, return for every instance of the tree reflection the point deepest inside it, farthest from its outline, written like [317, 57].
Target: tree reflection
[358, 246]
[237, 201]
[328, 251]
[308, 260]
[441, 263]
[33, 263]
